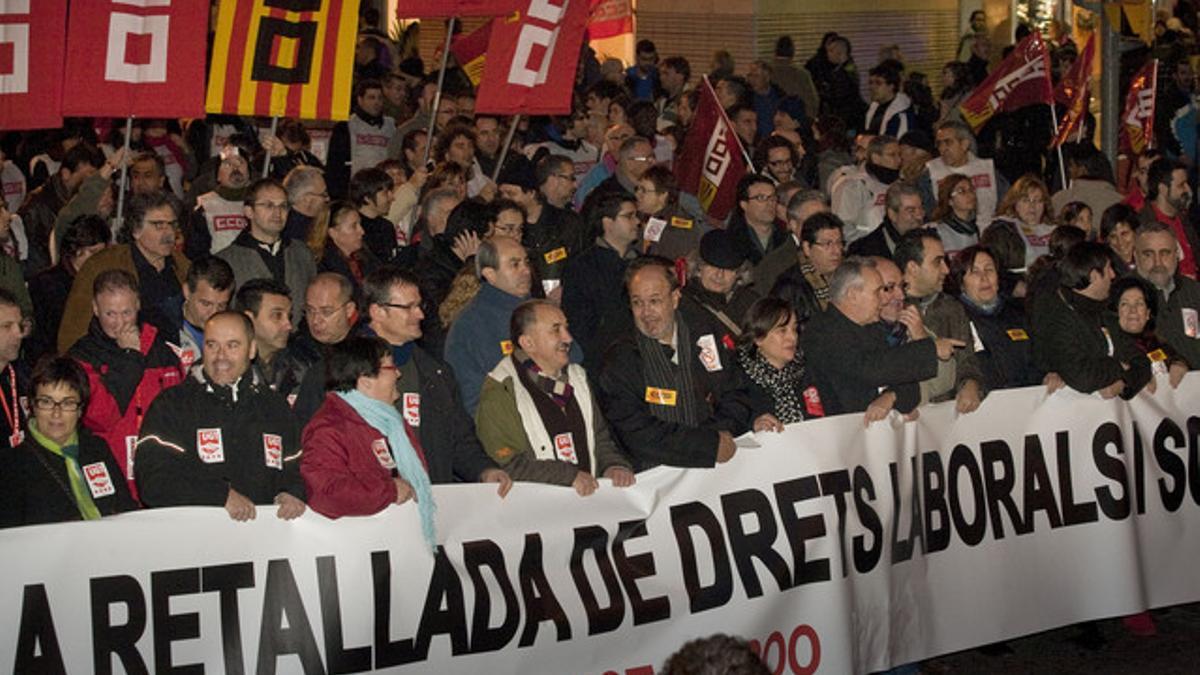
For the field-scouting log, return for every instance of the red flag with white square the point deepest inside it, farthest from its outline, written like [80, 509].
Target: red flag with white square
[1021, 79]
[135, 57]
[31, 64]
[531, 59]
[711, 160]
[1137, 118]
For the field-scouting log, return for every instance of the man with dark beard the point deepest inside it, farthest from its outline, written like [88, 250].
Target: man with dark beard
[218, 218]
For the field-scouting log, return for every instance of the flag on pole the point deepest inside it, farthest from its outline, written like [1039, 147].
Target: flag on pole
[413, 9]
[471, 51]
[31, 64]
[135, 58]
[531, 59]
[283, 58]
[1072, 91]
[609, 18]
[1021, 79]
[711, 161]
[1137, 119]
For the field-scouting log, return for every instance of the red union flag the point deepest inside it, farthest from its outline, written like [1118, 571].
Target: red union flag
[31, 64]
[1072, 91]
[407, 9]
[531, 59]
[135, 57]
[711, 161]
[1021, 79]
[1137, 120]
[609, 18]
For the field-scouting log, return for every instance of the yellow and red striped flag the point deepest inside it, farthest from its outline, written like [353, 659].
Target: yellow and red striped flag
[285, 58]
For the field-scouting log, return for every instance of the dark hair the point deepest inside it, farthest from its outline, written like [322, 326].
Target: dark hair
[1006, 244]
[250, 295]
[261, 185]
[1149, 294]
[889, 70]
[524, 315]
[364, 85]
[645, 46]
[822, 220]
[785, 47]
[500, 205]
[945, 190]
[679, 65]
[648, 261]
[607, 206]
[356, 356]
[366, 183]
[83, 153]
[764, 315]
[911, 247]
[962, 262]
[1082, 259]
[1062, 238]
[1115, 215]
[1070, 211]
[7, 299]
[1160, 173]
[748, 181]
[291, 129]
[114, 280]
[377, 286]
[605, 89]
[763, 151]
[84, 231]
[448, 137]
[211, 269]
[141, 204]
[664, 180]
[740, 89]
[548, 166]
[643, 117]
[63, 370]
[150, 156]
[469, 216]
[715, 655]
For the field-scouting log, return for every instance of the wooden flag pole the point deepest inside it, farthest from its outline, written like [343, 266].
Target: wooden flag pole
[266, 152]
[512, 129]
[437, 98]
[124, 170]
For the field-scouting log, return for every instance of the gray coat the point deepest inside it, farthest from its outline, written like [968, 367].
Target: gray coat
[298, 268]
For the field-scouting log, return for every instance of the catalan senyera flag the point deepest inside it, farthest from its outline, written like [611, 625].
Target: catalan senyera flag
[1072, 91]
[711, 161]
[470, 51]
[1137, 119]
[1021, 79]
[283, 58]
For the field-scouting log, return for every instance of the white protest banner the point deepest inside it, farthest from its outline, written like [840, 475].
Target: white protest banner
[833, 547]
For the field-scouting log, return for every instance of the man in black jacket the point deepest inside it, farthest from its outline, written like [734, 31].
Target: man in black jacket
[664, 389]
[847, 350]
[1074, 336]
[222, 438]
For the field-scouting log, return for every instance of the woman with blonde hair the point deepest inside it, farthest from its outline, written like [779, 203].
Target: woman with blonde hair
[1023, 209]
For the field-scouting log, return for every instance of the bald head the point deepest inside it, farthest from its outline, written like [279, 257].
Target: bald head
[228, 347]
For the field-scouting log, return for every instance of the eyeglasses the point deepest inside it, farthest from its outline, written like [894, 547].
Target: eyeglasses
[835, 243]
[645, 191]
[319, 195]
[764, 198]
[641, 158]
[630, 215]
[396, 305]
[272, 206]
[46, 404]
[961, 191]
[1033, 202]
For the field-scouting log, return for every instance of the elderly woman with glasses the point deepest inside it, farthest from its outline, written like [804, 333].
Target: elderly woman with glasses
[60, 472]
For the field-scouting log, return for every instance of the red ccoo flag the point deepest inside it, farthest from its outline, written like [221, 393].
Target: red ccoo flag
[711, 161]
[1137, 119]
[531, 59]
[1021, 79]
[31, 64]
[471, 51]
[1072, 91]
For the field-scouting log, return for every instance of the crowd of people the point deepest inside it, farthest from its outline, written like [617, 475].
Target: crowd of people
[424, 303]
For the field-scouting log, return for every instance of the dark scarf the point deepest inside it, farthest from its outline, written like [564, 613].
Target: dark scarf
[882, 173]
[967, 227]
[817, 282]
[780, 383]
[991, 309]
[659, 372]
[557, 388]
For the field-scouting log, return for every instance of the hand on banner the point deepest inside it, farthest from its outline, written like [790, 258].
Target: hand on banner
[879, 408]
[404, 491]
[418, 177]
[913, 416]
[946, 347]
[1114, 389]
[1176, 372]
[968, 398]
[911, 318]
[113, 164]
[620, 476]
[239, 507]
[1053, 382]
[465, 245]
[488, 192]
[290, 506]
[726, 447]
[497, 476]
[584, 483]
[273, 145]
[767, 422]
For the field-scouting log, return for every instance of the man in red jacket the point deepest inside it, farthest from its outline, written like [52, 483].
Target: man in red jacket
[127, 365]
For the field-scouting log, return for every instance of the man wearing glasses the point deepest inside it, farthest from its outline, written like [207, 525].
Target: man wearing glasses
[954, 142]
[260, 252]
[330, 315]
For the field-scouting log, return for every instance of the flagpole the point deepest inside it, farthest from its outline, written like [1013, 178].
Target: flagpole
[512, 129]
[1062, 169]
[437, 98]
[745, 155]
[266, 152]
[124, 169]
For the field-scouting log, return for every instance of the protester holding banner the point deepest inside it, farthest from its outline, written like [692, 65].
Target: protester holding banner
[770, 357]
[1135, 303]
[60, 472]
[537, 416]
[223, 437]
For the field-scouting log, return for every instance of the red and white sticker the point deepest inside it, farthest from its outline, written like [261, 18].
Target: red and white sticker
[709, 355]
[412, 409]
[187, 357]
[564, 447]
[273, 451]
[209, 446]
[98, 480]
[380, 448]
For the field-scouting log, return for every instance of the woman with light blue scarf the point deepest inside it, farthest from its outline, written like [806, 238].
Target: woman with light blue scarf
[360, 455]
